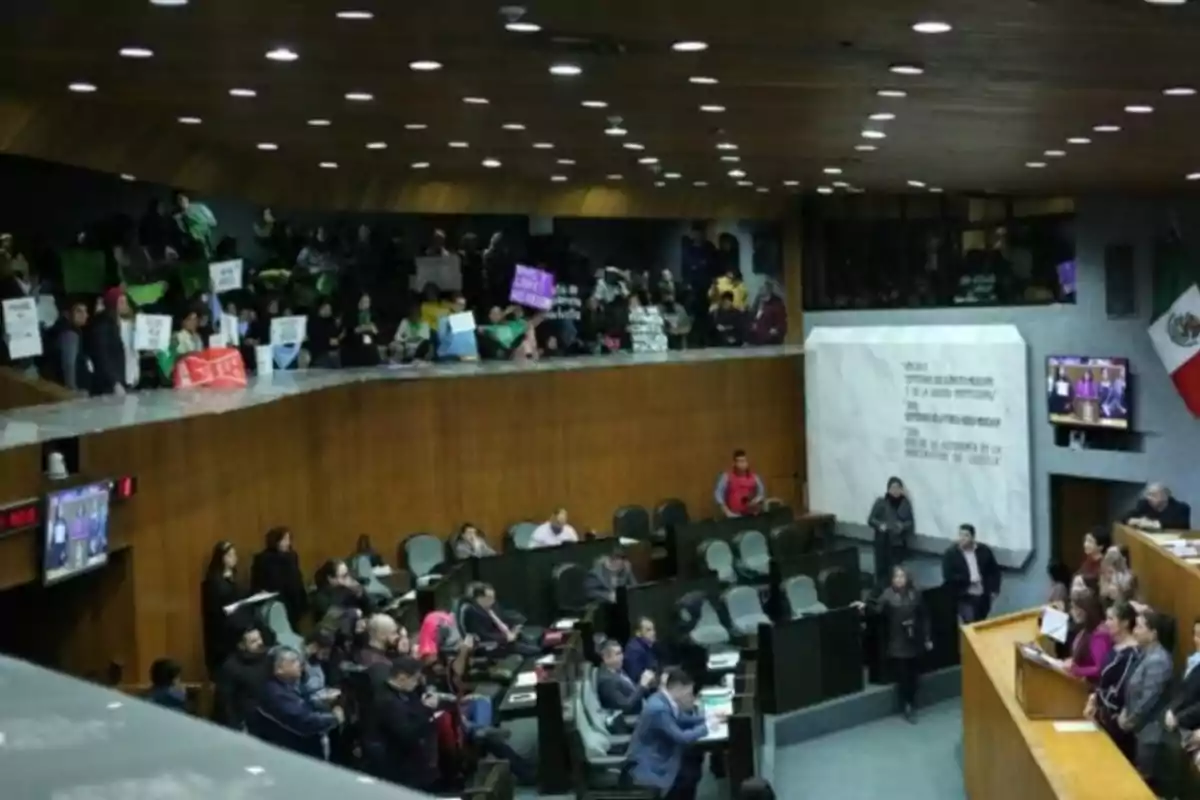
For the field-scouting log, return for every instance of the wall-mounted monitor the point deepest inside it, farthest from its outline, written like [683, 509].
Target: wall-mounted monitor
[1088, 392]
[76, 528]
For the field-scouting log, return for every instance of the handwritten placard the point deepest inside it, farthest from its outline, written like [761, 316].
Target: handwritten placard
[152, 332]
[22, 333]
[288, 330]
[444, 271]
[226, 276]
[532, 287]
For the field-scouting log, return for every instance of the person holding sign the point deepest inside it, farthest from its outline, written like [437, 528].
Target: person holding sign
[456, 333]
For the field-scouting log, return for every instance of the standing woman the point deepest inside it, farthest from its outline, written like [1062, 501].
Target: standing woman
[892, 520]
[1117, 581]
[1105, 704]
[277, 569]
[1092, 644]
[1148, 695]
[219, 589]
[1095, 543]
[907, 635]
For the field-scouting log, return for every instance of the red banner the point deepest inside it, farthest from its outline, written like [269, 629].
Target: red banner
[215, 368]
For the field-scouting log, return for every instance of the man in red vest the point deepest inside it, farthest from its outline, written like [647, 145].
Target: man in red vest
[739, 491]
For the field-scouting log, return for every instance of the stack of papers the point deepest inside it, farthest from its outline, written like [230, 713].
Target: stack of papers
[526, 679]
[1054, 624]
[251, 600]
[1080, 726]
[565, 624]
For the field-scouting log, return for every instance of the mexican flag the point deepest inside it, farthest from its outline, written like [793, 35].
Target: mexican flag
[1175, 331]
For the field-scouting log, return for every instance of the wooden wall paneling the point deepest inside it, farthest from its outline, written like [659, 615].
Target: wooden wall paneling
[18, 390]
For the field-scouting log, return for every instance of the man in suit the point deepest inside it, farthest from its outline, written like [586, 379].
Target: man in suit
[285, 718]
[483, 619]
[969, 568]
[240, 680]
[1157, 510]
[641, 652]
[617, 691]
[657, 757]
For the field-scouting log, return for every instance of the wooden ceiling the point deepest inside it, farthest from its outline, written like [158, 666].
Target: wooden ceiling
[798, 81]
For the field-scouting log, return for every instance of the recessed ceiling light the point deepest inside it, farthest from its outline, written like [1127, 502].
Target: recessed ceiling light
[543, 145]
[136, 52]
[125, 176]
[762, 190]
[712, 109]
[377, 145]
[935, 189]
[882, 116]
[737, 173]
[892, 93]
[360, 97]
[841, 185]
[356, 15]
[458, 145]
[932, 27]
[824, 190]
[832, 170]
[1179, 91]
[1079, 140]
[424, 66]
[415, 126]
[523, 27]
[558, 178]
[699, 184]
[594, 104]
[914, 184]
[243, 93]
[615, 130]
[660, 184]
[865, 148]
[476, 101]
[727, 146]
[689, 46]
[1139, 109]
[745, 183]
[267, 146]
[513, 126]
[1036, 164]
[566, 162]
[672, 176]
[420, 165]
[868, 134]
[615, 177]
[1054, 153]
[83, 88]
[1193, 176]
[906, 69]
[634, 146]
[703, 80]
[328, 165]
[791, 183]
[491, 163]
[648, 160]
[190, 120]
[282, 54]
[1166, 2]
[320, 123]
[168, 3]
[1107, 128]
[566, 70]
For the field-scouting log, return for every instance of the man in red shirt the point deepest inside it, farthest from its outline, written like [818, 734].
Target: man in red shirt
[740, 492]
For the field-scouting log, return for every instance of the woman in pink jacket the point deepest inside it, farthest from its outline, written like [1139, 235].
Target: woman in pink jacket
[1093, 642]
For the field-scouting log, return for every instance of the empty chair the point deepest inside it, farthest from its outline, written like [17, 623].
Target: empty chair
[838, 588]
[800, 591]
[631, 522]
[699, 621]
[791, 539]
[520, 536]
[602, 759]
[669, 514]
[569, 595]
[361, 568]
[744, 610]
[422, 554]
[753, 554]
[717, 556]
[276, 618]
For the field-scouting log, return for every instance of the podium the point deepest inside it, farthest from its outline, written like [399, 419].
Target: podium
[1046, 692]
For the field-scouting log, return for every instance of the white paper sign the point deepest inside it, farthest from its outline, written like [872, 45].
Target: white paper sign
[226, 276]
[217, 339]
[230, 330]
[1055, 624]
[22, 332]
[264, 361]
[47, 310]
[463, 322]
[289, 330]
[445, 271]
[152, 332]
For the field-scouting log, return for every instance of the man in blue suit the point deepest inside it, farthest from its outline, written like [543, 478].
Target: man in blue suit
[657, 756]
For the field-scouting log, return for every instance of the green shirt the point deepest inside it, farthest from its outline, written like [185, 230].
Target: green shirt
[506, 333]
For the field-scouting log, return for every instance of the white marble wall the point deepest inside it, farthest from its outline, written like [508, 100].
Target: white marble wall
[943, 407]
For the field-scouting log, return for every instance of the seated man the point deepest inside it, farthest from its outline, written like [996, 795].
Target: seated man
[337, 588]
[659, 754]
[401, 744]
[554, 531]
[1157, 510]
[284, 718]
[739, 492]
[483, 619]
[166, 685]
[641, 652]
[386, 641]
[616, 690]
[240, 680]
[610, 572]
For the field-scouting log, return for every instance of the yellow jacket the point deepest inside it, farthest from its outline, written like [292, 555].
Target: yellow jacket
[725, 284]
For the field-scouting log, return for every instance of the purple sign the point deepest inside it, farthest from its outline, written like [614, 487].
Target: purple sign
[532, 287]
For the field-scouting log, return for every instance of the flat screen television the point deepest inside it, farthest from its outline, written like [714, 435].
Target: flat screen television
[1088, 392]
[76, 527]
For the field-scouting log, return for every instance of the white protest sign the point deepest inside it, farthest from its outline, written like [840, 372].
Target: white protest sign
[230, 330]
[462, 322]
[152, 332]
[22, 332]
[288, 330]
[226, 276]
[445, 271]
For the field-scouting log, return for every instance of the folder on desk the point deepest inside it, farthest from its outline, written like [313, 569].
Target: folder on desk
[1044, 691]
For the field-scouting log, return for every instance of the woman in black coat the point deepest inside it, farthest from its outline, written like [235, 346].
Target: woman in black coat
[277, 569]
[220, 589]
[906, 634]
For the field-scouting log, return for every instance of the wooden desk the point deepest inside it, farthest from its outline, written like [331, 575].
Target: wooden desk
[1166, 582]
[1007, 756]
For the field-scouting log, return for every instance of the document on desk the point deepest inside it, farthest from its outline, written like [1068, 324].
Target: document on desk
[251, 600]
[723, 661]
[1075, 726]
[1055, 624]
[526, 679]
[520, 698]
[565, 624]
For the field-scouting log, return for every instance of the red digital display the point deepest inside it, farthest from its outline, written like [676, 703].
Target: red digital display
[124, 488]
[19, 516]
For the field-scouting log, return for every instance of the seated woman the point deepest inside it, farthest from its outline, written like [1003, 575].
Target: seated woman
[413, 340]
[469, 543]
[503, 333]
[1092, 644]
[187, 339]
[1106, 703]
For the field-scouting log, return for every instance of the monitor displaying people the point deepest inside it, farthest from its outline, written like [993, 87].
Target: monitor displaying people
[76, 531]
[1087, 391]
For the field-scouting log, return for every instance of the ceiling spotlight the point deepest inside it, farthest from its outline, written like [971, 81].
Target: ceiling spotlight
[634, 146]
[615, 177]
[517, 26]
[745, 183]
[420, 165]
[1079, 140]
[360, 97]
[892, 93]
[1107, 128]
[914, 184]
[82, 88]
[824, 190]
[689, 46]
[712, 109]
[513, 126]
[868, 134]
[415, 126]
[832, 170]
[377, 145]
[458, 145]
[762, 190]
[615, 130]
[935, 189]
[136, 52]
[543, 145]
[594, 104]
[727, 146]
[566, 70]
[267, 146]
[243, 93]
[355, 15]
[882, 116]
[328, 165]
[648, 160]
[320, 123]
[1193, 176]
[703, 80]
[566, 162]
[169, 3]
[865, 148]
[491, 163]
[672, 176]
[699, 184]
[1036, 164]
[424, 66]
[476, 101]
[841, 185]
[125, 176]
[660, 184]
[932, 27]
[1166, 2]
[731, 159]
[282, 54]
[1139, 109]
[737, 173]
[190, 120]
[791, 183]
[558, 178]
[906, 69]
[1054, 153]
[1179, 91]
